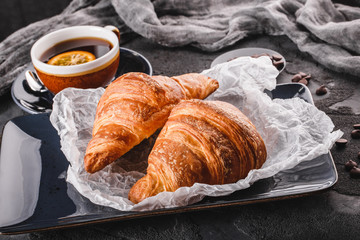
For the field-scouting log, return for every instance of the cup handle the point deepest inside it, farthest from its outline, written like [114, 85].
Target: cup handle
[34, 82]
[114, 30]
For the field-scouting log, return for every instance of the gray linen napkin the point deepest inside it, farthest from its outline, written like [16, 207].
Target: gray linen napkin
[328, 31]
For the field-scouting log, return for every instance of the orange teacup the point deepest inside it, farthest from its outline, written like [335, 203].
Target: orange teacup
[101, 42]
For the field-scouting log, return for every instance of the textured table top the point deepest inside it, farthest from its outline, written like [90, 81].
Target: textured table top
[333, 214]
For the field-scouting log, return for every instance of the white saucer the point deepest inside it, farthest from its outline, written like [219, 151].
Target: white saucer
[242, 52]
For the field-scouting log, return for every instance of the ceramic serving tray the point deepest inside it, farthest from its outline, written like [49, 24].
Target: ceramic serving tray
[59, 205]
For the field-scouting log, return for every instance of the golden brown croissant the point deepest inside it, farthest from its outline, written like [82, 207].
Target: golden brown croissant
[208, 142]
[133, 107]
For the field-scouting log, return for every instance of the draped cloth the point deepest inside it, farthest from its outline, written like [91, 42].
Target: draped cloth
[327, 31]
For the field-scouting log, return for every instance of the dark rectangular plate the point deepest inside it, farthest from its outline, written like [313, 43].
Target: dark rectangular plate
[60, 205]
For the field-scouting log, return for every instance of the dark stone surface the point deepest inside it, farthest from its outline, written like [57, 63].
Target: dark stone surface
[16, 14]
[333, 214]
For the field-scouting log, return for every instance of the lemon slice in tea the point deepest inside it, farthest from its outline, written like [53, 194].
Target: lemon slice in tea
[71, 58]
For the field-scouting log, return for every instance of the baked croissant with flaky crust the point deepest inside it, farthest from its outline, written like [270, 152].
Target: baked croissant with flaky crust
[208, 142]
[133, 107]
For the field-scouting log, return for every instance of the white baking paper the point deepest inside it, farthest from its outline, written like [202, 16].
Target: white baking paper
[293, 131]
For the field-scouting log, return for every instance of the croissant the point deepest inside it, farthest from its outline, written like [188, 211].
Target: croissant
[208, 142]
[133, 107]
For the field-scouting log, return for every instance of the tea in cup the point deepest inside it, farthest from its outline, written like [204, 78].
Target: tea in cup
[79, 56]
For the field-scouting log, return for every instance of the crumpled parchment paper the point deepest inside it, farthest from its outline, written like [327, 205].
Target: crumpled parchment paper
[293, 131]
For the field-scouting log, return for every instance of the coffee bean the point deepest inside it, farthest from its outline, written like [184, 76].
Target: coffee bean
[321, 90]
[357, 126]
[355, 172]
[350, 165]
[305, 75]
[355, 134]
[341, 142]
[276, 57]
[278, 64]
[304, 81]
[302, 74]
[296, 78]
